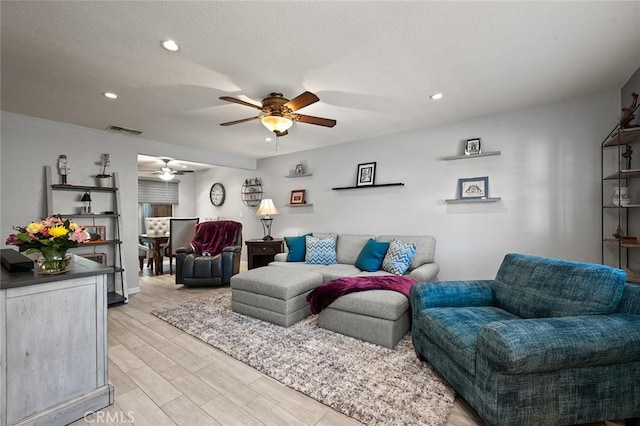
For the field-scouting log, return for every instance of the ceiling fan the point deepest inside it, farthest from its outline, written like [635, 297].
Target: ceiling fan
[279, 112]
[167, 173]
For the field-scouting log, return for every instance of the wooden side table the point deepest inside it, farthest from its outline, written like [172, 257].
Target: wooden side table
[261, 252]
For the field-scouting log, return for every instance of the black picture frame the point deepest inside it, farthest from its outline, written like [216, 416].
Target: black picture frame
[366, 174]
[477, 187]
[472, 147]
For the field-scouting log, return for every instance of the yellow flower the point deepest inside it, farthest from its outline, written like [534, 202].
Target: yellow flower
[58, 231]
[35, 227]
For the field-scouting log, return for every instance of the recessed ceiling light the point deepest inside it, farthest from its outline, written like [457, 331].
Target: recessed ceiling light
[436, 96]
[170, 45]
[267, 139]
[110, 95]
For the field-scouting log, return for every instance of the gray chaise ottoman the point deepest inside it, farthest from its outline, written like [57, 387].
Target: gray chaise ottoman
[377, 316]
[273, 294]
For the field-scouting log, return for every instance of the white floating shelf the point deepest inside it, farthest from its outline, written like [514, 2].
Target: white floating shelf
[299, 205]
[299, 176]
[466, 157]
[474, 200]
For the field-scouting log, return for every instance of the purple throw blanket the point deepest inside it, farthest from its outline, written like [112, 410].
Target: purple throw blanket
[323, 296]
[211, 237]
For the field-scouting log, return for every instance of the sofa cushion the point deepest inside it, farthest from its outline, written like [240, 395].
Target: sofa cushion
[274, 281]
[337, 270]
[349, 247]
[536, 287]
[425, 247]
[320, 251]
[296, 247]
[385, 304]
[371, 255]
[398, 257]
[455, 331]
[298, 266]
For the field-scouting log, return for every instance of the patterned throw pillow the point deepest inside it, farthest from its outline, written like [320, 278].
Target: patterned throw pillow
[321, 251]
[398, 257]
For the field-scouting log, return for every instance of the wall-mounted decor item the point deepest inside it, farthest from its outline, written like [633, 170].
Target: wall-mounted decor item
[217, 194]
[251, 192]
[472, 147]
[477, 187]
[297, 196]
[299, 170]
[366, 174]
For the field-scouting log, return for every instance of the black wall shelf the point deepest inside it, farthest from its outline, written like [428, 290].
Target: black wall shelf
[340, 188]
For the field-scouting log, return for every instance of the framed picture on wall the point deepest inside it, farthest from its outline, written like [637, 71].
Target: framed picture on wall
[477, 187]
[472, 147]
[366, 174]
[297, 196]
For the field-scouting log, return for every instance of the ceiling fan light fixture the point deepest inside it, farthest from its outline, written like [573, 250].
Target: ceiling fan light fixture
[167, 176]
[170, 45]
[276, 123]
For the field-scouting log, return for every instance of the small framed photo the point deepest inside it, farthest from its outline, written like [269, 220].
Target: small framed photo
[97, 233]
[297, 196]
[299, 170]
[477, 187]
[366, 174]
[472, 147]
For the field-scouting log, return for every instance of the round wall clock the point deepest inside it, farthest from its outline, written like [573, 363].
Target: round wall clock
[216, 195]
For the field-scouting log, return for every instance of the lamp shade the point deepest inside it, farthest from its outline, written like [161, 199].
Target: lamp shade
[86, 197]
[276, 123]
[267, 208]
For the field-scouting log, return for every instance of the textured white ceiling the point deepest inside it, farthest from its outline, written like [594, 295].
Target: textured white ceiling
[373, 64]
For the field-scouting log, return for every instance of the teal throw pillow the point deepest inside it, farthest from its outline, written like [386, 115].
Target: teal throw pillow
[297, 248]
[398, 257]
[321, 251]
[371, 255]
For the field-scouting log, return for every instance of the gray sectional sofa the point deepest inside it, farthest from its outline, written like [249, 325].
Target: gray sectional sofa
[277, 293]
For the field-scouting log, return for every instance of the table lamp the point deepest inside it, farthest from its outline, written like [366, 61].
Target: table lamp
[266, 209]
[86, 198]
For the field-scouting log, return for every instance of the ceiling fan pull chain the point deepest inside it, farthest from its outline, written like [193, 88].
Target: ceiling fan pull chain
[277, 142]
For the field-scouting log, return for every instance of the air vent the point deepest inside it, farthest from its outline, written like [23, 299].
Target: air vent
[124, 129]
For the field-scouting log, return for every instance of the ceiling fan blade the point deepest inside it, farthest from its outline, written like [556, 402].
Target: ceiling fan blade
[301, 101]
[279, 134]
[229, 123]
[327, 122]
[239, 101]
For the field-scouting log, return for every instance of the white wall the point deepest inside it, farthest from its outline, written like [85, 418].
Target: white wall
[28, 144]
[548, 177]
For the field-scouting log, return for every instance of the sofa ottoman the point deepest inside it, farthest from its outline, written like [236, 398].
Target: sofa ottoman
[273, 294]
[376, 316]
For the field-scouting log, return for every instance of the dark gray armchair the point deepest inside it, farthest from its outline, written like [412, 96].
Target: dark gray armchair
[214, 255]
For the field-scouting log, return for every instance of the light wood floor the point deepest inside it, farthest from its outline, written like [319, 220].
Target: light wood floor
[163, 376]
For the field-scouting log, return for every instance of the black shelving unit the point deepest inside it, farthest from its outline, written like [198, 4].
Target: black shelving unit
[117, 292]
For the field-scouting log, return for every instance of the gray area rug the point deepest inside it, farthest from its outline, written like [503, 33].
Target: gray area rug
[375, 385]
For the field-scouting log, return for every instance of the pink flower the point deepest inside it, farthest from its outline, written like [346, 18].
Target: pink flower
[79, 235]
[12, 240]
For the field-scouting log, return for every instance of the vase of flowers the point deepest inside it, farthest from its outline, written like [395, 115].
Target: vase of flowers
[52, 238]
[104, 179]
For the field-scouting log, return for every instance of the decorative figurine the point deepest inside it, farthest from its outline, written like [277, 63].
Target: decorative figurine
[63, 168]
[627, 113]
[627, 156]
[299, 171]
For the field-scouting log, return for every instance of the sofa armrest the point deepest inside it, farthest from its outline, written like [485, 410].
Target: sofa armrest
[232, 249]
[450, 294]
[630, 301]
[550, 344]
[426, 272]
[280, 257]
[181, 253]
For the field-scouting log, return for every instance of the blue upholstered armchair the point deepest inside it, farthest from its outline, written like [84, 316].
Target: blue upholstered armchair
[548, 342]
